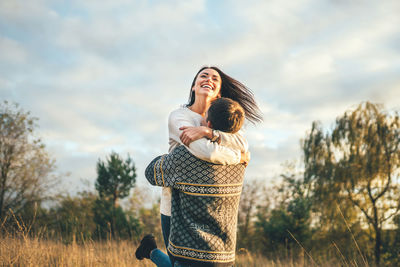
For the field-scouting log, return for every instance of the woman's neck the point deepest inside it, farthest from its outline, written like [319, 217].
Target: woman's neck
[201, 105]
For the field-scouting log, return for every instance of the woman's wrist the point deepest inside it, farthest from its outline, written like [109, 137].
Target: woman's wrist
[216, 137]
[208, 132]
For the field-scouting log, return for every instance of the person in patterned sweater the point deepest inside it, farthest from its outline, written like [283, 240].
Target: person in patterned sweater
[205, 196]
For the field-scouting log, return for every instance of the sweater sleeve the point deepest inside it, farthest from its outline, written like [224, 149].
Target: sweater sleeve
[160, 174]
[166, 170]
[203, 148]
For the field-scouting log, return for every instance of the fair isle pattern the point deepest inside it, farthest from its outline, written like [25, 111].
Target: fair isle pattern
[205, 201]
[210, 190]
[158, 173]
[162, 174]
[204, 223]
[198, 254]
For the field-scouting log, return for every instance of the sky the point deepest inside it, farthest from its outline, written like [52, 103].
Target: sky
[103, 76]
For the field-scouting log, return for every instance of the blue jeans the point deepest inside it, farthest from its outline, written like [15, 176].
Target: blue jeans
[158, 257]
[165, 227]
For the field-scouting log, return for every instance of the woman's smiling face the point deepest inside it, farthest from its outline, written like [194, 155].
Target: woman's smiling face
[208, 83]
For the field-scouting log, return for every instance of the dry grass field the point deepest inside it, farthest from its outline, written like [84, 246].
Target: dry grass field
[36, 252]
[21, 249]
[24, 251]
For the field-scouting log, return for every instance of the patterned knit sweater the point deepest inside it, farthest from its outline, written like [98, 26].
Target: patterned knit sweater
[205, 201]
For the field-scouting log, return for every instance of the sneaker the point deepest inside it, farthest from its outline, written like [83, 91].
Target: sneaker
[147, 244]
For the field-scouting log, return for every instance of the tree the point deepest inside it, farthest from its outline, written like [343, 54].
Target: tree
[288, 222]
[252, 196]
[358, 162]
[25, 166]
[114, 221]
[73, 217]
[115, 178]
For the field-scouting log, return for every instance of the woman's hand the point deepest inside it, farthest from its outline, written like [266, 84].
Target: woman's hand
[190, 133]
[245, 158]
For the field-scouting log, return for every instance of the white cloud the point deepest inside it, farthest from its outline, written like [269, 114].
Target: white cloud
[22, 12]
[13, 52]
[104, 76]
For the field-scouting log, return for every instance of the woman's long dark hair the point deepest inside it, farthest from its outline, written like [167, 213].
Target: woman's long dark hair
[234, 90]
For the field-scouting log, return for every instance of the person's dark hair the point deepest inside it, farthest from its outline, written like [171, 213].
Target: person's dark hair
[235, 90]
[225, 115]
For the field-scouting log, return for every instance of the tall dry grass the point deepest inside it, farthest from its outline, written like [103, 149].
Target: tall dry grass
[37, 252]
[21, 248]
[24, 251]
[257, 260]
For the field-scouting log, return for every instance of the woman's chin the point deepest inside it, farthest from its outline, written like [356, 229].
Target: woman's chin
[206, 93]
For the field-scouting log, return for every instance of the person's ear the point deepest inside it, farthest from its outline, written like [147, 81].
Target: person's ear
[209, 125]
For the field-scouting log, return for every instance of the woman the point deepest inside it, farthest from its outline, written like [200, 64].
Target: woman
[184, 127]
